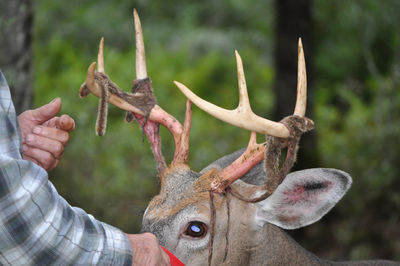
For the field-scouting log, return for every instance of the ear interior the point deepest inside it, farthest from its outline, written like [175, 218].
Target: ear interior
[303, 198]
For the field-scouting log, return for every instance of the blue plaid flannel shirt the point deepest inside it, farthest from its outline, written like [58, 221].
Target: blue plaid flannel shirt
[37, 226]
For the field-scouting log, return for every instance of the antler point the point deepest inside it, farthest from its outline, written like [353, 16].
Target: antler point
[237, 55]
[93, 64]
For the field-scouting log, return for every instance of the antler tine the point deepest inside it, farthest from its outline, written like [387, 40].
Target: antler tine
[255, 152]
[242, 116]
[90, 83]
[182, 150]
[244, 103]
[141, 70]
[157, 114]
[100, 57]
[141, 102]
[301, 101]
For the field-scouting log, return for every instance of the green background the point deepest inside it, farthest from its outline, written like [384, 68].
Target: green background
[356, 95]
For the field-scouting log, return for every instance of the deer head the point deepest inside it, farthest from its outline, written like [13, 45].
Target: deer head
[231, 212]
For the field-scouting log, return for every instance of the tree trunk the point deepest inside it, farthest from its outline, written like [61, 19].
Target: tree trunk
[294, 20]
[16, 30]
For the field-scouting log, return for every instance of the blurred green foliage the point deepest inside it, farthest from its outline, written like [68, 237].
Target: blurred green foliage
[357, 116]
[357, 102]
[114, 177]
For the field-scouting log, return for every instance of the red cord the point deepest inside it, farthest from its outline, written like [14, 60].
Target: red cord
[174, 260]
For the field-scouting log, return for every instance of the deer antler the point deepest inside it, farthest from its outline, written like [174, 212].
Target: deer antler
[141, 102]
[244, 117]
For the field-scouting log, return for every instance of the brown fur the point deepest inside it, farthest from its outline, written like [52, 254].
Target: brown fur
[236, 241]
[84, 90]
[297, 126]
[101, 122]
[162, 206]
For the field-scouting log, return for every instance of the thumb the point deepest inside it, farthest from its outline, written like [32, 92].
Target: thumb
[48, 111]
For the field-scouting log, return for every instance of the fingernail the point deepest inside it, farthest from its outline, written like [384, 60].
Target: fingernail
[30, 138]
[37, 130]
[24, 148]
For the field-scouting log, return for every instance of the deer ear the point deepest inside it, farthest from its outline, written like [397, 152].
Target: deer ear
[303, 198]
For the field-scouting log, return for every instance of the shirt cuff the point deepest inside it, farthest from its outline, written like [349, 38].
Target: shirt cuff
[118, 244]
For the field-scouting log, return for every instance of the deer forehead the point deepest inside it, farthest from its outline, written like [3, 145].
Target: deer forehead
[180, 188]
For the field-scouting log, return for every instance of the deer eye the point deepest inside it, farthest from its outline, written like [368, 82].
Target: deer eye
[196, 229]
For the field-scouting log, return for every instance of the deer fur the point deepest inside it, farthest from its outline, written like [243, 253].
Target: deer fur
[229, 230]
[255, 234]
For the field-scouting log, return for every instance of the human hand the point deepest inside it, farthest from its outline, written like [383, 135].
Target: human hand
[44, 135]
[147, 251]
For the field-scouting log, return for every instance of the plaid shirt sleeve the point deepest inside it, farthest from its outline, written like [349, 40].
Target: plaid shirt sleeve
[37, 226]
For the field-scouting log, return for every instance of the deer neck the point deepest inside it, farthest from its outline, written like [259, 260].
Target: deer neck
[268, 245]
[281, 249]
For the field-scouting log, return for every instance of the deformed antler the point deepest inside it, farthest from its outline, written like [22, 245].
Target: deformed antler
[244, 117]
[141, 103]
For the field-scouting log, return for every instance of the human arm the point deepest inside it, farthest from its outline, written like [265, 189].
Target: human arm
[44, 135]
[37, 225]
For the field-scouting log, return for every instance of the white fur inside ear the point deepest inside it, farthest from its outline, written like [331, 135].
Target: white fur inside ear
[303, 198]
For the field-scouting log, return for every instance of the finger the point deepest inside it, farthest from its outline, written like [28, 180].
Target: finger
[165, 258]
[46, 112]
[28, 158]
[25, 157]
[56, 161]
[52, 122]
[52, 133]
[66, 123]
[46, 144]
[43, 158]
